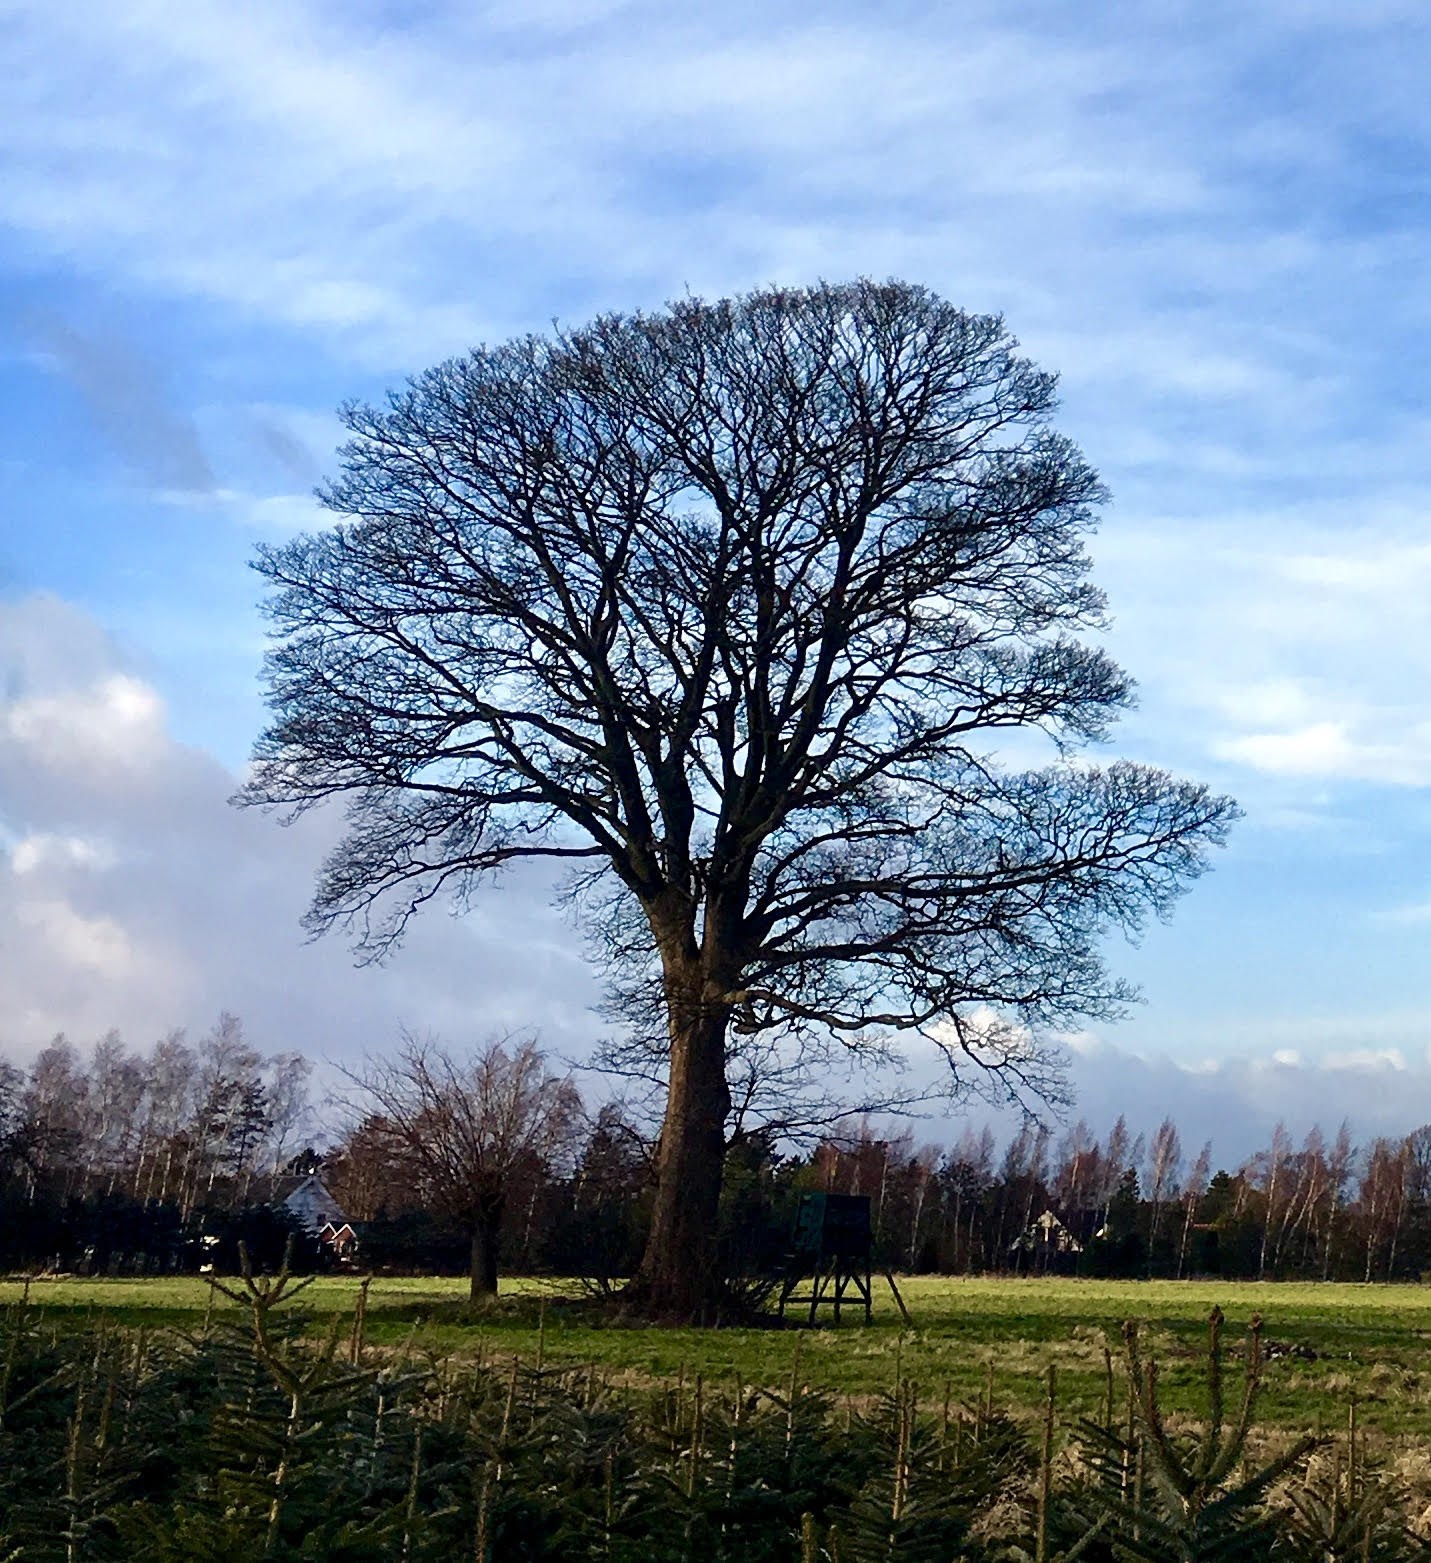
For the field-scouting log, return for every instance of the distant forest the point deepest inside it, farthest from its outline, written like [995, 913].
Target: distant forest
[123, 1162]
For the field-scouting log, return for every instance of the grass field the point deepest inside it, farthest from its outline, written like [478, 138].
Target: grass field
[1374, 1341]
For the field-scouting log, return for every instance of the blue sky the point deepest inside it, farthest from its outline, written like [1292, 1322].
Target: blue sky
[217, 222]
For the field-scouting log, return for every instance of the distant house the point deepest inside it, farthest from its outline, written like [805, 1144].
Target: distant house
[313, 1207]
[1046, 1237]
[340, 1237]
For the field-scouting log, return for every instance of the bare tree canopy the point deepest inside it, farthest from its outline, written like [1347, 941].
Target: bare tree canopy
[462, 1126]
[729, 606]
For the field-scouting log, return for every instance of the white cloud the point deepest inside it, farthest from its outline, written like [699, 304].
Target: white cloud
[42, 850]
[1279, 702]
[1236, 1100]
[80, 947]
[1368, 1060]
[118, 721]
[1319, 750]
[1294, 648]
[135, 896]
[283, 514]
[1390, 750]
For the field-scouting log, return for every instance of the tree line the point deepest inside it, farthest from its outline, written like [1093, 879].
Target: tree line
[451, 1161]
[148, 1161]
[1324, 1208]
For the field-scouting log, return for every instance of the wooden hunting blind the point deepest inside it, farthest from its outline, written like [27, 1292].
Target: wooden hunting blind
[832, 1246]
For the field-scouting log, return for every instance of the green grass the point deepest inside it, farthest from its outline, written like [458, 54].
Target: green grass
[1371, 1340]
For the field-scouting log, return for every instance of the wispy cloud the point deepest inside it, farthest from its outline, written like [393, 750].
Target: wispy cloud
[124, 392]
[1295, 647]
[404, 187]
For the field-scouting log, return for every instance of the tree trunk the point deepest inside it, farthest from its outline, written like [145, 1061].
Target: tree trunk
[1187, 1229]
[914, 1226]
[679, 1276]
[1267, 1227]
[486, 1230]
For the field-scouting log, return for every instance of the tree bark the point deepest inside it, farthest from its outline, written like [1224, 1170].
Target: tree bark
[679, 1275]
[486, 1230]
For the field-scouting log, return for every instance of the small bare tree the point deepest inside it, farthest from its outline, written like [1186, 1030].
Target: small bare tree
[462, 1125]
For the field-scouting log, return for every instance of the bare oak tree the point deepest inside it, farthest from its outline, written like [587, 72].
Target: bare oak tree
[461, 1126]
[728, 607]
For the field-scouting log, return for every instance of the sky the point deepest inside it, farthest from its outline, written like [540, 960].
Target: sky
[1213, 220]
